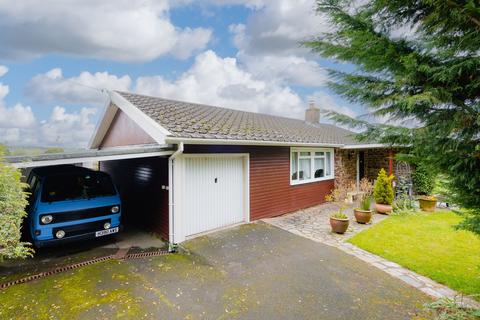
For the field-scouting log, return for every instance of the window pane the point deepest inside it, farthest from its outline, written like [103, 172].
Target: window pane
[328, 171]
[304, 154]
[294, 169]
[73, 186]
[305, 169]
[317, 154]
[319, 168]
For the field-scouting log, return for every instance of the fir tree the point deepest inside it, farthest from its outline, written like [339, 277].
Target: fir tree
[417, 64]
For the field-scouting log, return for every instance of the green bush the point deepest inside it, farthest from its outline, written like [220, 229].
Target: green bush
[423, 180]
[13, 200]
[383, 191]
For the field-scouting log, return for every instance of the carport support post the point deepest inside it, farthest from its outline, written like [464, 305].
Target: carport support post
[171, 204]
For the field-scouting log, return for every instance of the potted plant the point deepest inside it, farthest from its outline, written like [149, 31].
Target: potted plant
[339, 222]
[383, 193]
[363, 214]
[423, 183]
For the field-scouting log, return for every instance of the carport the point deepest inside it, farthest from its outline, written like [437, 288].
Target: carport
[140, 174]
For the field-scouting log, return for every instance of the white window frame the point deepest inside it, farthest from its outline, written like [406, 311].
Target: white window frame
[312, 162]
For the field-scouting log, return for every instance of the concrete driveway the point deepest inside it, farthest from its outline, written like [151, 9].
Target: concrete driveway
[254, 271]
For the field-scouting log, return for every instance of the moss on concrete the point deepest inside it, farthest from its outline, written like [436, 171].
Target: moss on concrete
[69, 295]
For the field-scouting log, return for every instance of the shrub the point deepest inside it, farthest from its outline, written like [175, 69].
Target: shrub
[383, 191]
[13, 200]
[451, 309]
[423, 180]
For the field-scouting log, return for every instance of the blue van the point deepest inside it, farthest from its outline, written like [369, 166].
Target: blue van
[70, 203]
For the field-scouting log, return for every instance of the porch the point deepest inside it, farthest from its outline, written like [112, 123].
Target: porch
[352, 165]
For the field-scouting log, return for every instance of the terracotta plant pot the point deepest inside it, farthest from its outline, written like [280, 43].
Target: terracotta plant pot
[427, 203]
[362, 216]
[339, 225]
[383, 208]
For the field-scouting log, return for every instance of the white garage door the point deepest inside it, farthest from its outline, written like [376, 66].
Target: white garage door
[214, 193]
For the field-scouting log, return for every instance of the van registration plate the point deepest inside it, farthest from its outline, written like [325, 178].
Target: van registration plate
[106, 232]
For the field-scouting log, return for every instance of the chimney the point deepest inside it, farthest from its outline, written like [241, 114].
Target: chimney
[312, 114]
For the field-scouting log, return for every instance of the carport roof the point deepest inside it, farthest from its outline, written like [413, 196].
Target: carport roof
[184, 120]
[89, 155]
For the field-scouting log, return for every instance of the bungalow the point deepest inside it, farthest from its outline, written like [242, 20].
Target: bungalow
[225, 166]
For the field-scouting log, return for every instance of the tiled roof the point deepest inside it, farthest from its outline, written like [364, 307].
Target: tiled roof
[191, 120]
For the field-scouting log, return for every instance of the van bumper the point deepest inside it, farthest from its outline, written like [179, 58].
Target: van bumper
[80, 237]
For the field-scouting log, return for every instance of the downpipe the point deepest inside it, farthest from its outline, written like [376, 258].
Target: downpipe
[172, 246]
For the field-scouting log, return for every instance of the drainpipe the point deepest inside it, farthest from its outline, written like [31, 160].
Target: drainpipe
[171, 203]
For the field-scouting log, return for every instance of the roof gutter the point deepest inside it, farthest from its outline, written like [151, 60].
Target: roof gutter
[171, 203]
[248, 142]
[365, 146]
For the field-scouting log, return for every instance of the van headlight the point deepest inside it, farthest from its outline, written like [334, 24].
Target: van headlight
[115, 209]
[60, 234]
[46, 219]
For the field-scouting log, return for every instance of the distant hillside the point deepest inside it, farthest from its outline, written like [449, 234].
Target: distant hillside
[34, 151]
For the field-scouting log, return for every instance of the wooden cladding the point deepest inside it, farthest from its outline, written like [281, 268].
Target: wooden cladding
[270, 191]
[124, 132]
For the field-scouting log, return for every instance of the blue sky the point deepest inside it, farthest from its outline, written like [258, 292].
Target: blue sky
[242, 54]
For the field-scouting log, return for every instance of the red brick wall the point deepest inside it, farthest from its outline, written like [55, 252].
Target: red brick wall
[270, 191]
[346, 167]
[376, 159]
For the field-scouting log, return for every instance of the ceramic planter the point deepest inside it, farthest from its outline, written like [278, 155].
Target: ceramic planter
[383, 208]
[427, 204]
[339, 225]
[362, 216]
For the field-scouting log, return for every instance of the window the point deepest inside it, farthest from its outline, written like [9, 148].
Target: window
[75, 186]
[309, 165]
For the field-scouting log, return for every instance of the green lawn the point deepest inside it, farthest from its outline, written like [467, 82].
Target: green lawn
[428, 245]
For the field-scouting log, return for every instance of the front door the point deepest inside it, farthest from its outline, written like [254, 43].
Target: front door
[361, 165]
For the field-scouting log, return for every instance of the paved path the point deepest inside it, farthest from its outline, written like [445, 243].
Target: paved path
[313, 223]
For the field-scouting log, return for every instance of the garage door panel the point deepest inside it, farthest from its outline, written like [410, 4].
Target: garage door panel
[214, 193]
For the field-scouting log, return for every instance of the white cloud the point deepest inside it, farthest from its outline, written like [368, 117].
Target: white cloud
[253, 4]
[19, 126]
[269, 43]
[291, 69]
[3, 70]
[326, 102]
[18, 116]
[67, 129]
[121, 30]
[53, 87]
[279, 26]
[220, 81]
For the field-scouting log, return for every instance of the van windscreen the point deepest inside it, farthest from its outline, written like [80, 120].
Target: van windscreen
[73, 186]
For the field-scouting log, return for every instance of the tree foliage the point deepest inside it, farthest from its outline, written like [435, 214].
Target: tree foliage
[13, 200]
[417, 64]
[423, 180]
[383, 191]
